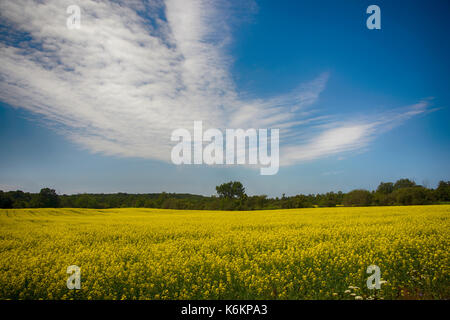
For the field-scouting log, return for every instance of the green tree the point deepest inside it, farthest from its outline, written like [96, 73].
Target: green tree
[413, 196]
[231, 190]
[404, 183]
[381, 199]
[330, 199]
[47, 198]
[385, 188]
[86, 200]
[162, 198]
[358, 197]
[443, 191]
[5, 201]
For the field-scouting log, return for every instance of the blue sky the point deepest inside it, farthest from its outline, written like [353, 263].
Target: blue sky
[91, 110]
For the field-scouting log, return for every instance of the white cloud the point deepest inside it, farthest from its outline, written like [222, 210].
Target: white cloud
[339, 137]
[8, 187]
[331, 141]
[136, 70]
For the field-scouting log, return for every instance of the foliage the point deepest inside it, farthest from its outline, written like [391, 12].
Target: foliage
[5, 201]
[47, 198]
[413, 196]
[404, 183]
[231, 190]
[232, 196]
[385, 188]
[443, 191]
[358, 198]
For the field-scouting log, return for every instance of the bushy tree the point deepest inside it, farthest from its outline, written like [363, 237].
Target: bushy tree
[86, 200]
[358, 197]
[330, 199]
[231, 190]
[385, 188]
[381, 199]
[47, 198]
[443, 191]
[404, 183]
[413, 196]
[5, 201]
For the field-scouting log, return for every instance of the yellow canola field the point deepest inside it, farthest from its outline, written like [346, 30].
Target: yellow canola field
[319, 253]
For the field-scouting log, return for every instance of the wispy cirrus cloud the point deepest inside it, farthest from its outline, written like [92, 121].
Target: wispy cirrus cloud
[136, 70]
[337, 137]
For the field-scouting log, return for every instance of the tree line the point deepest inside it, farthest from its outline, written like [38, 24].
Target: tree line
[232, 196]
